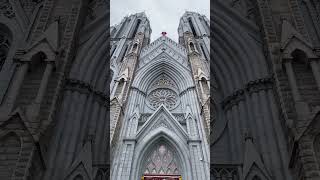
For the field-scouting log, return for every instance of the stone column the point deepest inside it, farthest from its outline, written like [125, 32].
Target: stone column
[300, 106]
[200, 84]
[315, 69]
[44, 82]
[122, 90]
[114, 88]
[292, 81]
[22, 68]
[34, 108]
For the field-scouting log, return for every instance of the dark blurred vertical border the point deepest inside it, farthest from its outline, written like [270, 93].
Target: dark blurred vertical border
[212, 3]
[108, 87]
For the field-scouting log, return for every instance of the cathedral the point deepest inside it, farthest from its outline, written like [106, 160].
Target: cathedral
[159, 100]
[236, 97]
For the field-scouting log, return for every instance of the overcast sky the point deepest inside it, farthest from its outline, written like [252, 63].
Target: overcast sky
[164, 15]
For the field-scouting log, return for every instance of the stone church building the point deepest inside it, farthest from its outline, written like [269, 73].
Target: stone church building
[160, 100]
[235, 100]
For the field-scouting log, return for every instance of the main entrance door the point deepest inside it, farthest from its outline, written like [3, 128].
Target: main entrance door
[161, 177]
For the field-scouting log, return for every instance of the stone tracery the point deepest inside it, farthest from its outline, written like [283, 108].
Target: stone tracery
[161, 161]
[164, 96]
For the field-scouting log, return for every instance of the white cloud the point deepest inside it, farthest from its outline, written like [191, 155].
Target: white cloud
[164, 15]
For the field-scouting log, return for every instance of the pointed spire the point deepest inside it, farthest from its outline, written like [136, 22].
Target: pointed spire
[31, 126]
[124, 74]
[201, 74]
[288, 33]
[136, 111]
[252, 157]
[51, 36]
[84, 157]
[188, 111]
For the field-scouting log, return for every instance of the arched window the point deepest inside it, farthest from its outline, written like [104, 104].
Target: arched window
[122, 28]
[135, 46]
[192, 48]
[136, 28]
[204, 53]
[10, 151]
[32, 79]
[304, 77]
[5, 43]
[299, 56]
[113, 50]
[205, 86]
[123, 53]
[162, 161]
[192, 27]
[119, 87]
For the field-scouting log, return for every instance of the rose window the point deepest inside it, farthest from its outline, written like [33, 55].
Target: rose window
[167, 97]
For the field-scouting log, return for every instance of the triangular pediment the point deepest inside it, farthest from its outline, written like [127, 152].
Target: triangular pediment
[201, 74]
[115, 101]
[252, 158]
[83, 162]
[50, 36]
[31, 127]
[124, 74]
[47, 43]
[161, 41]
[162, 118]
[313, 125]
[163, 56]
[291, 40]
[163, 45]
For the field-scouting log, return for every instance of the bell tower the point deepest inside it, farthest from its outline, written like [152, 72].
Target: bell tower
[194, 35]
[128, 38]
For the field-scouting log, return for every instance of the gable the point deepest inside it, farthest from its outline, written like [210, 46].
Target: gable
[166, 47]
[18, 121]
[163, 119]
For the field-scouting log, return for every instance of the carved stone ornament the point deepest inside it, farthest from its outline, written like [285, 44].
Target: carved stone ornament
[164, 96]
[6, 9]
[161, 161]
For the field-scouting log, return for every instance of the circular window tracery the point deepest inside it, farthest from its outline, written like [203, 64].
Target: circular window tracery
[165, 96]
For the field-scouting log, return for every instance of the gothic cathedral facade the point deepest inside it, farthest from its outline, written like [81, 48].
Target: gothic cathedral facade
[160, 100]
[80, 100]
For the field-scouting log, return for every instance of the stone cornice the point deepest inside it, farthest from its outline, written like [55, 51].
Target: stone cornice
[251, 87]
[138, 90]
[259, 85]
[186, 90]
[233, 99]
[85, 88]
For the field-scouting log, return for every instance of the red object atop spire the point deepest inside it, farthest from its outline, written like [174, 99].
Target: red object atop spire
[164, 33]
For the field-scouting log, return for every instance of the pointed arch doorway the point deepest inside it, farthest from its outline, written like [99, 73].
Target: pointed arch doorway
[161, 163]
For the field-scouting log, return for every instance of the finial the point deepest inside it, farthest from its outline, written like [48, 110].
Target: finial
[164, 33]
